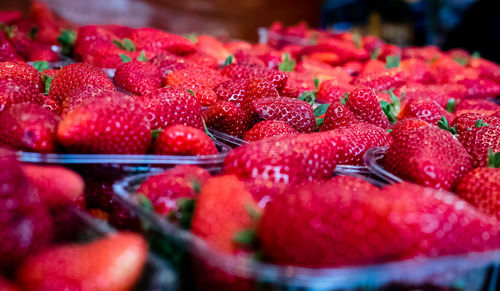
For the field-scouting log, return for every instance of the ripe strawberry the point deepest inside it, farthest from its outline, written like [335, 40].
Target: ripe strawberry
[202, 60]
[232, 90]
[336, 116]
[76, 75]
[50, 72]
[22, 71]
[206, 96]
[466, 122]
[166, 189]
[259, 87]
[444, 68]
[170, 106]
[383, 80]
[478, 140]
[481, 188]
[57, 186]
[211, 46]
[487, 69]
[357, 139]
[7, 51]
[223, 209]
[479, 88]
[365, 105]
[277, 78]
[82, 93]
[388, 49]
[182, 140]
[137, 77]
[354, 68]
[287, 159]
[167, 63]
[104, 54]
[14, 90]
[426, 53]
[427, 92]
[418, 71]
[29, 127]
[323, 71]
[371, 67]
[107, 125]
[157, 41]
[41, 52]
[90, 37]
[331, 91]
[195, 77]
[298, 83]
[426, 110]
[227, 117]
[296, 113]
[407, 124]
[268, 128]
[481, 106]
[428, 156]
[5, 285]
[112, 263]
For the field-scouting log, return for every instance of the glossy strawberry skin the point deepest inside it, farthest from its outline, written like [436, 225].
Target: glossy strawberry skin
[297, 83]
[296, 113]
[365, 105]
[427, 110]
[268, 128]
[227, 117]
[195, 77]
[259, 87]
[338, 115]
[331, 91]
[29, 127]
[184, 140]
[85, 92]
[277, 78]
[479, 88]
[138, 77]
[382, 80]
[156, 41]
[481, 106]
[481, 188]
[73, 76]
[23, 71]
[170, 106]
[407, 124]
[477, 142]
[107, 125]
[428, 156]
[467, 121]
[14, 90]
[232, 90]
[7, 51]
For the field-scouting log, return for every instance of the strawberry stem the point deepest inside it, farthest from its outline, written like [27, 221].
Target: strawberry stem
[41, 65]
[391, 109]
[229, 60]
[493, 159]
[287, 63]
[443, 124]
[450, 105]
[67, 40]
[480, 123]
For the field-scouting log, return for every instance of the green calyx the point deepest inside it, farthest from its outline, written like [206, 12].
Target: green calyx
[126, 44]
[451, 105]
[183, 216]
[343, 100]
[287, 63]
[475, 55]
[193, 37]
[493, 159]
[144, 202]
[125, 58]
[41, 65]
[316, 82]
[156, 133]
[389, 130]
[47, 81]
[246, 238]
[67, 40]
[190, 91]
[142, 57]
[392, 61]
[391, 109]
[461, 61]
[229, 60]
[480, 123]
[318, 111]
[443, 124]
[374, 53]
[309, 97]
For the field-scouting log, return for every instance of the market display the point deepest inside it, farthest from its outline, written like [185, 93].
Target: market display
[314, 159]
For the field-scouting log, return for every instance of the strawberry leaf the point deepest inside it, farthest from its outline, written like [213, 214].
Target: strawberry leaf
[229, 60]
[450, 105]
[67, 40]
[207, 131]
[287, 63]
[316, 82]
[190, 91]
[142, 57]
[320, 110]
[144, 202]
[343, 100]
[128, 45]
[41, 65]
[47, 81]
[392, 61]
[443, 124]
[246, 238]
[374, 53]
[493, 159]
[193, 37]
[308, 96]
[155, 133]
[480, 123]
[391, 109]
[118, 44]
[184, 213]
[125, 58]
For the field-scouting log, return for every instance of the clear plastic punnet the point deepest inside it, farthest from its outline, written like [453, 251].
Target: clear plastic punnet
[374, 160]
[209, 269]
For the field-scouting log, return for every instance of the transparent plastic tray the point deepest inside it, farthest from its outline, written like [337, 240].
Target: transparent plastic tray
[272, 37]
[213, 270]
[374, 160]
[157, 274]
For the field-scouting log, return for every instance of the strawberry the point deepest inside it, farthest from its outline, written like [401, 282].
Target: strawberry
[184, 140]
[387, 50]
[206, 96]
[479, 139]
[170, 106]
[211, 46]
[481, 106]
[407, 124]
[323, 71]
[331, 91]
[137, 77]
[365, 105]
[479, 88]
[57, 186]
[107, 125]
[29, 127]
[227, 117]
[426, 110]
[277, 78]
[259, 87]
[268, 128]
[5, 285]
[14, 90]
[82, 93]
[90, 37]
[296, 113]
[444, 68]
[288, 159]
[418, 71]
[223, 210]
[202, 60]
[76, 75]
[167, 63]
[382, 80]
[195, 77]
[156, 41]
[7, 51]
[466, 122]
[22, 71]
[112, 263]
[329, 58]
[41, 52]
[428, 156]
[354, 68]
[357, 139]
[298, 83]
[166, 189]
[427, 92]
[487, 69]
[372, 66]
[104, 54]
[232, 90]
[338, 115]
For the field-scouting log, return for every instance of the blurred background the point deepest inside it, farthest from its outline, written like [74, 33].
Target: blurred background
[473, 25]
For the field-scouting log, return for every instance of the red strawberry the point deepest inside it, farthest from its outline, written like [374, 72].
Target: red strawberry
[259, 87]
[418, 71]
[445, 68]
[211, 46]
[57, 186]
[14, 90]
[50, 72]
[481, 106]
[466, 122]
[223, 209]
[202, 60]
[80, 94]
[323, 71]
[383, 80]
[426, 53]
[104, 54]
[165, 190]
[388, 49]
[357, 139]
[195, 77]
[407, 124]
[268, 128]
[481, 188]
[336, 116]
[107, 125]
[76, 75]
[167, 63]
[22, 71]
[29, 127]
[7, 51]
[232, 90]
[156, 41]
[428, 156]
[478, 140]
[227, 117]
[331, 91]
[426, 110]
[487, 69]
[298, 83]
[365, 105]
[137, 77]
[427, 92]
[184, 140]
[206, 96]
[112, 263]
[277, 78]
[354, 68]
[296, 113]
[5, 285]
[288, 159]
[90, 38]
[478, 88]
[41, 52]
[170, 106]
[371, 67]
